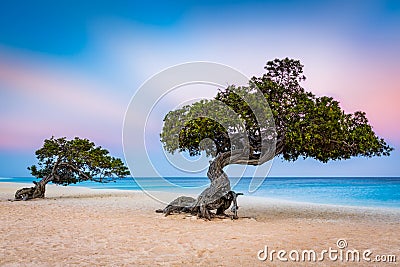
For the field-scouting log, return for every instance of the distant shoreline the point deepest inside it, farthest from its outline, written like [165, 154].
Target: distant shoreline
[56, 191]
[378, 192]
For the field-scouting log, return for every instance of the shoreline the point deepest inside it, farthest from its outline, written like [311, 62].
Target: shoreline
[83, 226]
[348, 192]
[63, 191]
[250, 206]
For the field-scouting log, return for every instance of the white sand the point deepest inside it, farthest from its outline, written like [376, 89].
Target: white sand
[88, 227]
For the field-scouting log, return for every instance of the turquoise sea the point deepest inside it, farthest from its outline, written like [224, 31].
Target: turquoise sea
[349, 191]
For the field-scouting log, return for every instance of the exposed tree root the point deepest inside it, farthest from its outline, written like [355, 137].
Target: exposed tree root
[27, 193]
[190, 205]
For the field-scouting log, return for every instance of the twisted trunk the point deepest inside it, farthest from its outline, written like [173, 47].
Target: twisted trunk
[37, 191]
[218, 196]
[213, 197]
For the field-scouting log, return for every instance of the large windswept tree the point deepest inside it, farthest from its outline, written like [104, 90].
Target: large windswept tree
[304, 126]
[65, 162]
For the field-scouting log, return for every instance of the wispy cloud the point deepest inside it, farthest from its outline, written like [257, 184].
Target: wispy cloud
[48, 100]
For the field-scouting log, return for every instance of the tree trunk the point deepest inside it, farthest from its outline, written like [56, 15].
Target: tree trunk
[218, 196]
[36, 191]
[212, 198]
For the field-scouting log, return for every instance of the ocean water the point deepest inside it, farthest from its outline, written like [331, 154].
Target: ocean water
[349, 191]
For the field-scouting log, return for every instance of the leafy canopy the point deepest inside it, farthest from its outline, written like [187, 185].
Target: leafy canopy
[305, 125]
[70, 161]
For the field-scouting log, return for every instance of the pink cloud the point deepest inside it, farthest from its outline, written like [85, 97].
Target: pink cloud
[48, 100]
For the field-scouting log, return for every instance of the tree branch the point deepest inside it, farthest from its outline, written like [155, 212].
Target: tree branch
[76, 169]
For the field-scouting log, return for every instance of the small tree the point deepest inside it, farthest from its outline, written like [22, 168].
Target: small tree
[65, 162]
[304, 126]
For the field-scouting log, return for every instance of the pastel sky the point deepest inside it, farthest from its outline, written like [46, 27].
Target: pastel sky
[70, 68]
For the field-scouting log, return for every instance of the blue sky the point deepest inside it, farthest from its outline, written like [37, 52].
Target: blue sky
[69, 68]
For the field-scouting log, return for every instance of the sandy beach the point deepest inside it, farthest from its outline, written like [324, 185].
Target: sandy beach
[78, 226]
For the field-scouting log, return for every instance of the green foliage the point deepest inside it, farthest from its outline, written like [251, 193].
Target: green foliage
[216, 126]
[305, 125]
[185, 128]
[310, 126]
[71, 161]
